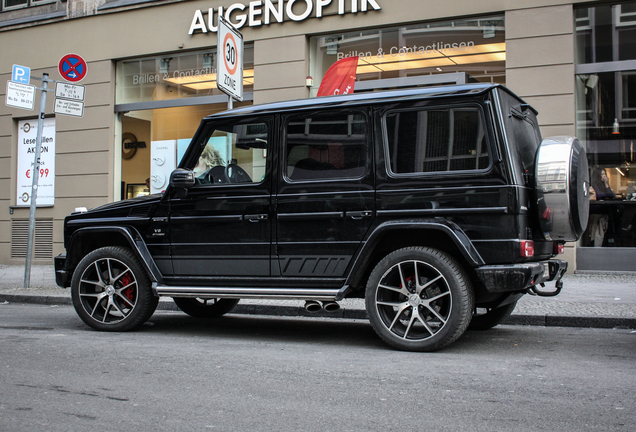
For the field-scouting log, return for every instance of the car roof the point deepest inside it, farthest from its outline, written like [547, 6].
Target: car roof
[359, 99]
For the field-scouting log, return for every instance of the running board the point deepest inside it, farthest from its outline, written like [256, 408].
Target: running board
[336, 294]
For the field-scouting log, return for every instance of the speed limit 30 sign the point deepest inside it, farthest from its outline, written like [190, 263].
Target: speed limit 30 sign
[229, 78]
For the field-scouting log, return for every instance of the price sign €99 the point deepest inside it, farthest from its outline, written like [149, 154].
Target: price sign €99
[229, 78]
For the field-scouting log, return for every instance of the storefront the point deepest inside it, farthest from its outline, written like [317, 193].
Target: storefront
[151, 78]
[606, 124]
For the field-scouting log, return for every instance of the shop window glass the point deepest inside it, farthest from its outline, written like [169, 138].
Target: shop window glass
[629, 96]
[323, 147]
[175, 76]
[475, 46]
[154, 143]
[441, 140]
[606, 120]
[9, 4]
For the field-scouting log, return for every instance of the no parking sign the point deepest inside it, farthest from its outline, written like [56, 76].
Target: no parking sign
[72, 67]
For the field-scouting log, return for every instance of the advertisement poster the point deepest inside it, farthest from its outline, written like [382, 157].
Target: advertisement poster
[164, 161]
[27, 136]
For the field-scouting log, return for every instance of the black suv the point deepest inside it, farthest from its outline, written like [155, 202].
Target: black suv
[440, 206]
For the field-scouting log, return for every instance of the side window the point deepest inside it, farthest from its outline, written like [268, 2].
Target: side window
[319, 146]
[436, 140]
[232, 154]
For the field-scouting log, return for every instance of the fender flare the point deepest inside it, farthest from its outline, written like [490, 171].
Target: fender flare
[451, 229]
[132, 237]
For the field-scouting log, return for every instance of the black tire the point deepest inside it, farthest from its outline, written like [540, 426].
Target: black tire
[422, 280]
[205, 308]
[111, 291]
[487, 318]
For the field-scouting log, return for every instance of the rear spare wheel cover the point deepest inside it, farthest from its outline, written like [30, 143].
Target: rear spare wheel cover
[562, 188]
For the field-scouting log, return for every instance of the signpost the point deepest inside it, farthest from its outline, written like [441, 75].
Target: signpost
[229, 76]
[69, 101]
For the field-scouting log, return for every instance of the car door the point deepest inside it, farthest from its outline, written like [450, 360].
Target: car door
[223, 226]
[325, 196]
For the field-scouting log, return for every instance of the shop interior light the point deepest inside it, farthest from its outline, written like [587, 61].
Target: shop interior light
[485, 53]
[620, 171]
[207, 81]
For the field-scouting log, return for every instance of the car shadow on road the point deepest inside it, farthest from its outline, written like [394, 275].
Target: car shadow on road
[268, 328]
[352, 333]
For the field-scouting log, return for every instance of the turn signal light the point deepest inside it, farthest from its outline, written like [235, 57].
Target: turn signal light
[527, 248]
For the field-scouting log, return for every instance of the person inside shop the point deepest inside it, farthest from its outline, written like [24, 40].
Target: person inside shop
[602, 217]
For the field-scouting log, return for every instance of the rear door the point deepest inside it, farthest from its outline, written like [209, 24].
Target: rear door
[325, 197]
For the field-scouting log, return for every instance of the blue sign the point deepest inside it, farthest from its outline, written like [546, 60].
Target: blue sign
[21, 74]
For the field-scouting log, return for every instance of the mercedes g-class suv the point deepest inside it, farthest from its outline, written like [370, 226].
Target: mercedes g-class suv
[440, 207]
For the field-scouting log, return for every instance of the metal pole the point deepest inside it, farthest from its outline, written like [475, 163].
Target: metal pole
[230, 102]
[34, 186]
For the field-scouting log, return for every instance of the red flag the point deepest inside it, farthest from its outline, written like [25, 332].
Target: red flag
[340, 78]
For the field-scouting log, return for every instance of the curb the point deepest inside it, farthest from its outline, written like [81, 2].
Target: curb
[546, 320]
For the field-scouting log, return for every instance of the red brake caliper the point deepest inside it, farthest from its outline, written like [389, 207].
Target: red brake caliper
[128, 292]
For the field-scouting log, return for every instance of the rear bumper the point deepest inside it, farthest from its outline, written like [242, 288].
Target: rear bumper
[62, 278]
[518, 277]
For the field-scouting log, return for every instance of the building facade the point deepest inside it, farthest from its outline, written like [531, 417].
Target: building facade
[151, 78]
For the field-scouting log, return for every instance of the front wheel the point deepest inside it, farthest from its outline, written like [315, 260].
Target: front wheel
[419, 299]
[205, 308]
[111, 291]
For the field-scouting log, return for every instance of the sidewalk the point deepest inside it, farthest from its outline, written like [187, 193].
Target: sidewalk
[600, 300]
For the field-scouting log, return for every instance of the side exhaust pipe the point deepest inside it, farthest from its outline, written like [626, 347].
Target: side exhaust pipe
[312, 306]
[330, 306]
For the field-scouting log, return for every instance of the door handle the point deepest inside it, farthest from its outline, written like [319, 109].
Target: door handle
[256, 217]
[360, 214]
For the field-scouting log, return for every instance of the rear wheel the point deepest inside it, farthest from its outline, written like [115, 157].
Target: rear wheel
[419, 299]
[205, 308]
[487, 318]
[111, 291]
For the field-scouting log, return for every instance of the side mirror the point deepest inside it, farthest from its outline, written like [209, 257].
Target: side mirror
[181, 180]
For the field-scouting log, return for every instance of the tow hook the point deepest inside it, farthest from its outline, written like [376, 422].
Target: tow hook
[536, 291]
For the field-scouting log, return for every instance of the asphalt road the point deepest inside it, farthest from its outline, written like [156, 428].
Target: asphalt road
[246, 373]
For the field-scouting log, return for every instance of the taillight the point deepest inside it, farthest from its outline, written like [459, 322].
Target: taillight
[559, 248]
[527, 248]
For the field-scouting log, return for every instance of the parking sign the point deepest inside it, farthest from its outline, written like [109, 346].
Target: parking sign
[21, 74]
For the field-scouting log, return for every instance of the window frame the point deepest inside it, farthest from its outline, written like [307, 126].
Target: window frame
[286, 120]
[27, 4]
[488, 145]
[190, 160]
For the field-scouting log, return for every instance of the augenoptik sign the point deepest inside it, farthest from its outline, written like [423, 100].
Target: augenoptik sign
[266, 12]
